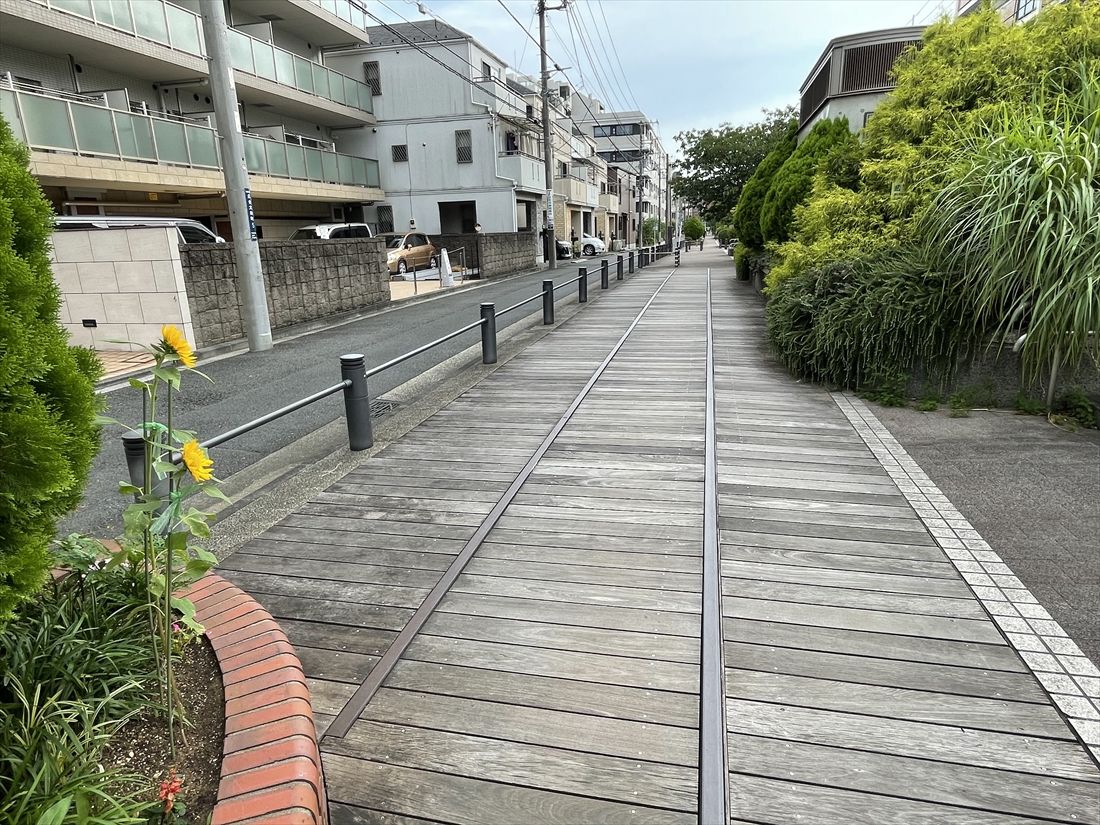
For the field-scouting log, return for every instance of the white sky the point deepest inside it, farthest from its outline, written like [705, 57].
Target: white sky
[688, 63]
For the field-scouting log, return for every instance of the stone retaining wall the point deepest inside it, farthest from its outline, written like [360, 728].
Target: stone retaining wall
[502, 253]
[306, 280]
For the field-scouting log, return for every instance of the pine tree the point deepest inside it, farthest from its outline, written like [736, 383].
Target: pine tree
[48, 434]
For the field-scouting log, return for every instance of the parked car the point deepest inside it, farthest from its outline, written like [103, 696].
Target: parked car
[564, 250]
[189, 231]
[332, 232]
[591, 245]
[409, 250]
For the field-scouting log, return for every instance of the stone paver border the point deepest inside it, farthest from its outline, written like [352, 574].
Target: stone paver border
[271, 764]
[1065, 672]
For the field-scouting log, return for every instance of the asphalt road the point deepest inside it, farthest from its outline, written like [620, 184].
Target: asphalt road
[249, 385]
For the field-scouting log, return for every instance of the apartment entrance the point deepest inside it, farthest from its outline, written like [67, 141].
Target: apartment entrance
[457, 216]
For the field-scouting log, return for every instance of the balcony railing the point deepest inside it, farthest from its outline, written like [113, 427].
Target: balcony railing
[180, 29]
[494, 93]
[610, 202]
[576, 190]
[528, 171]
[346, 10]
[66, 124]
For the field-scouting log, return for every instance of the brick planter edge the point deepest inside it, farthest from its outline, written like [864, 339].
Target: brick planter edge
[271, 763]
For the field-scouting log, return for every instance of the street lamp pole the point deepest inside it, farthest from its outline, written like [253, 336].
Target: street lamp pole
[547, 145]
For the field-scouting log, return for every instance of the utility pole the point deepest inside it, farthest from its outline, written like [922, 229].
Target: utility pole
[668, 205]
[547, 146]
[641, 187]
[250, 276]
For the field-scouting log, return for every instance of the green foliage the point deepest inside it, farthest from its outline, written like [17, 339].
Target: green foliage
[694, 228]
[960, 404]
[74, 667]
[724, 233]
[1076, 405]
[47, 402]
[888, 388]
[715, 163]
[929, 404]
[746, 216]
[974, 210]
[793, 181]
[1028, 405]
[653, 231]
[1018, 224]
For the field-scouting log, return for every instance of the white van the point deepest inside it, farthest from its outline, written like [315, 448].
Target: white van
[332, 232]
[189, 231]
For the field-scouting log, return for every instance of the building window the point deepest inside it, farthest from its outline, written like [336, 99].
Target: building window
[486, 71]
[617, 130]
[400, 152]
[563, 170]
[1025, 8]
[464, 149]
[373, 77]
[385, 218]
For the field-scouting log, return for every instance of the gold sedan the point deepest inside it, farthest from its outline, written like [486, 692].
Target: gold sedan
[411, 250]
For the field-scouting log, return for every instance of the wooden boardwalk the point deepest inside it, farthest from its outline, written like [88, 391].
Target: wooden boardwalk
[502, 613]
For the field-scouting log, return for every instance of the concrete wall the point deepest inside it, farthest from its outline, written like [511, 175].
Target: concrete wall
[502, 253]
[127, 282]
[306, 280]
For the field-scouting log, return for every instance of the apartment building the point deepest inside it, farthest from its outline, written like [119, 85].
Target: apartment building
[457, 146]
[629, 142]
[113, 100]
[1010, 10]
[852, 75]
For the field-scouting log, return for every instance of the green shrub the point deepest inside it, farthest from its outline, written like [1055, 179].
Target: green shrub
[746, 217]
[694, 228]
[47, 402]
[653, 231]
[792, 182]
[1078, 406]
[1027, 405]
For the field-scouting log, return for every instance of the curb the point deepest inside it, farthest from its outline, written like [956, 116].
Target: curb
[271, 763]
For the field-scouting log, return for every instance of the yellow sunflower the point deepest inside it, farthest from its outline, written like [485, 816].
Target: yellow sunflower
[175, 342]
[196, 460]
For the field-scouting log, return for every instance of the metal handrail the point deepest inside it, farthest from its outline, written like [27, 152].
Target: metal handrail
[354, 384]
[393, 362]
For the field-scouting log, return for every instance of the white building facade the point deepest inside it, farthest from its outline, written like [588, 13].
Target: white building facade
[457, 146]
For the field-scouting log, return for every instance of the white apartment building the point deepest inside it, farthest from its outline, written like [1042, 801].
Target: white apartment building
[114, 102]
[629, 142]
[457, 147]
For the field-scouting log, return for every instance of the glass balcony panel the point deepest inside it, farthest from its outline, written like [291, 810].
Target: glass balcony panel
[264, 56]
[330, 168]
[320, 81]
[11, 113]
[255, 157]
[284, 67]
[329, 6]
[276, 160]
[358, 171]
[303, 74]
[366, 102]
[296, 161]
[183, 30]
[240, 51]
[372, 172]
[114, 13]
[203, 144]
[135, 136]
[94, 129]
[79, 7]
[351, 93]
[47, 123]
[150, 22]
[314, 167]
[171, 142]
[358, 18]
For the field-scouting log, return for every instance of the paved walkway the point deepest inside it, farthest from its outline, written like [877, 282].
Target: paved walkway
[639, 575]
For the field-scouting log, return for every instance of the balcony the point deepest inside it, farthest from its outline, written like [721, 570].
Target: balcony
[576, 191]
[488, 91]
[610, 202]
[321, 22]
[82, 126]
[527, 171]
[181, 30]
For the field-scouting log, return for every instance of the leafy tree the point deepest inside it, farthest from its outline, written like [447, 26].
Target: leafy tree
[653, 231]
[746, 217]
[694, 228]
[48, 434]
[716, 163]
[793, 181]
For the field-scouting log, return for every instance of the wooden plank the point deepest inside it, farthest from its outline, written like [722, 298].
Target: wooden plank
[935, 706]
[762, 800]
[593, 558]
[964, 681]
[551, 769]
[964, 746]
[583, 574]
[839, 561]
[880, 549]
[985, 789]
[343, 814]
[636, 597]
[537, 661]
[866, 599]
[548, 692]
[328, 569]
[463, 801]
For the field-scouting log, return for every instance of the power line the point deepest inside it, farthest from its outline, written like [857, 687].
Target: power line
[615, 52]
[587, 42]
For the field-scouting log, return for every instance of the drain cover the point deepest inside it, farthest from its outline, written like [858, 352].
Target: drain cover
[382, 406]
